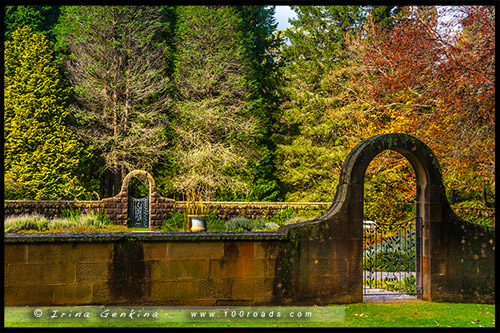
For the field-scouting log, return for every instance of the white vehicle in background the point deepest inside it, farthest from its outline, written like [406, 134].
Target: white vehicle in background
[369, 224]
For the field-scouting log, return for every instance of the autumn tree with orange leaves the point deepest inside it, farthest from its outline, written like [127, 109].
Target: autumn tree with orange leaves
[431, 74]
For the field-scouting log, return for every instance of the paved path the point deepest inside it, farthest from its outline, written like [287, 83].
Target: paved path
[374, 294]
[384, 296]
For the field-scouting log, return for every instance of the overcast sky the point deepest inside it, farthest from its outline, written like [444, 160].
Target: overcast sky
[282, 14]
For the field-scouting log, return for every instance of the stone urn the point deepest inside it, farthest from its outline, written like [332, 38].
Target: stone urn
[197, 222]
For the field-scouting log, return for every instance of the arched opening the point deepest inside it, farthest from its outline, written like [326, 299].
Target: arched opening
[430, 195]
[451, 254]
[346, 212]
[392, 239]
[139, 185]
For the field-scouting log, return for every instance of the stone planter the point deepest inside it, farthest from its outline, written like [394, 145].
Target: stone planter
[197, 222]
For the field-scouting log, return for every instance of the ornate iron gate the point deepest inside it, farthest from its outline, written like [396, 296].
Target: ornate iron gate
[138, 212]
[392, 257]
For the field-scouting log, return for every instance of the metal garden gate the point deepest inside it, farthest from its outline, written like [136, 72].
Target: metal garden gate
[138, 212]
[392, 257]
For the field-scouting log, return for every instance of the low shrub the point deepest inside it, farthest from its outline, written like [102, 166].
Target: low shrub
[71, 213]
[296, 219]
[38, 223]
[246, 224]
[23, 222]
[174, 224]
[405, 285]
[271, 226]
[83, 229]
[240, 223]
[215, 223]
[283, 215]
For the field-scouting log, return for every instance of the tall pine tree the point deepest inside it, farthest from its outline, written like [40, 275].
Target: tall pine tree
[43, 159]
[262, 46]
[316, 116]
[117, 61]
[221, 115]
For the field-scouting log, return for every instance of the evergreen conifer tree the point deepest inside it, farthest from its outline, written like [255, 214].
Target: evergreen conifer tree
[117, 60]
[42, 157]
[220, 112]
[315, 120]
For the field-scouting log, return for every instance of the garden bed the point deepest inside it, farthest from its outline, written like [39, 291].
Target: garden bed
[74, 221]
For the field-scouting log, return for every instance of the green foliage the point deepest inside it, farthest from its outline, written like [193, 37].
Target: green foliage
[315, 119]
[389, 195]
[393, 254]
[42, 156]
[212, 120]
[296, 219]
[271, 226]
[210, 97]
[138, 187]
[116, 58]
[479, 220]
[262, 47]
[405, 285]
[213, 223]
[25, 222]
[71, 213]
[272, 223]
[390, 261]
[39, 18]
[290, 216]
[283, 215]
[246, 224]
[221, 117]
[174, 223]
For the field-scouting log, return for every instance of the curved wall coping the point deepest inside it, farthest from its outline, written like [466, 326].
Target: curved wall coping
[143, 236]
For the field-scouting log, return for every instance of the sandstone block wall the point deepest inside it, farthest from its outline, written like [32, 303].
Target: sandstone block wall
[142, 272]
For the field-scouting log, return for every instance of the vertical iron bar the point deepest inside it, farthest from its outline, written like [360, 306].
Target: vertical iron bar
[365, 236]
[402, 237]
[378, 274]
[420, 256]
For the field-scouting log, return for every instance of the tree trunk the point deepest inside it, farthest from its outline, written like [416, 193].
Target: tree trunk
[111, 183]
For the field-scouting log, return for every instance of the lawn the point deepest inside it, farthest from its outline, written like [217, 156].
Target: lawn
[402, 314]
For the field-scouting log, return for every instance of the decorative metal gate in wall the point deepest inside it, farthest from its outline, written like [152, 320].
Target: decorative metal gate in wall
[138, 212]
[392, 257]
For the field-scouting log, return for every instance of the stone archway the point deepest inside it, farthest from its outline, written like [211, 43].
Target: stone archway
[450, 245]
[117, 207]
[432, 204]
[124, 192]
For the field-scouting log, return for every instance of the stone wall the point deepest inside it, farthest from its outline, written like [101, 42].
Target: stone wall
[48, 208]
[165, 207]
[463, 263]
[476, 213]
[313, 262]
[161, 208]
[139, 269]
